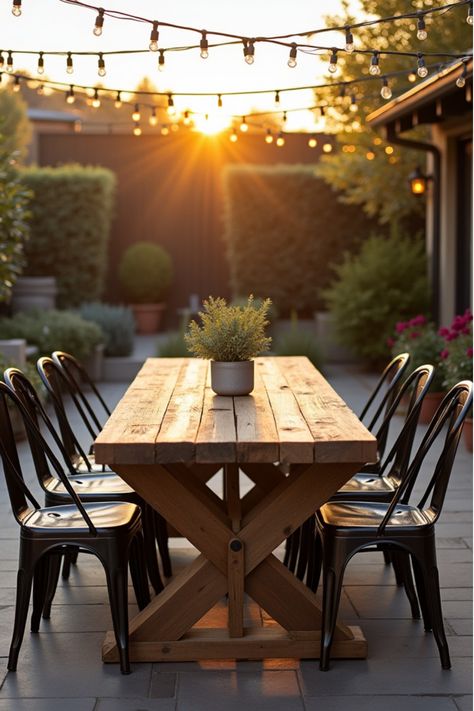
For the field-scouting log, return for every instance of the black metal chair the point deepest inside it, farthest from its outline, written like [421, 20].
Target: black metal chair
[110, 531]
[89, 486]
[348, 527]
[70, 377]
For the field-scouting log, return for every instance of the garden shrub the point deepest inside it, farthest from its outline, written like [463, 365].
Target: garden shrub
[384, 283]
[53, 331]
[145, 272]
[117, 325]
[298, 341]
[284, 227]
[71, 216]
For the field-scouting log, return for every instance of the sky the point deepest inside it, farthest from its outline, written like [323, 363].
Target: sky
[54, 25]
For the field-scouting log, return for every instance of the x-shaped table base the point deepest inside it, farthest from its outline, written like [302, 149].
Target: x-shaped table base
[236, 537]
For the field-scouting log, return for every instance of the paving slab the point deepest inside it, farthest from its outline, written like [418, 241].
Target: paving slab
[138, 704]
[376, 703]
[65, 704]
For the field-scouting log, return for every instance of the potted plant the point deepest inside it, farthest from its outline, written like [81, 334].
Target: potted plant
[457, 360]
[423, 342]
[230, 336]
[145, 273]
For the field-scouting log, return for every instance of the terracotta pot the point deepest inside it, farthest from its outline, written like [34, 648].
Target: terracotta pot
[147, 317]
[429, 406]
[232, 378]
[468, 433]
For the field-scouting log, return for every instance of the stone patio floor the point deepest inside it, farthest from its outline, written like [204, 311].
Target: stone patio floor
[60, 669]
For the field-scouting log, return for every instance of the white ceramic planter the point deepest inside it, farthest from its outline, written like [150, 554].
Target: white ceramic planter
[235, 378]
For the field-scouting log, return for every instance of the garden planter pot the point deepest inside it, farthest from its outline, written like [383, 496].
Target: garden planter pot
[31, 292]
[468, 433]
[232, 378]
[94, 363]
[429, 406]
[148, 317]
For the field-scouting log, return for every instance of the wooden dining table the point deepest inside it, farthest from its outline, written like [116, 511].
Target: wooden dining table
[298, 443]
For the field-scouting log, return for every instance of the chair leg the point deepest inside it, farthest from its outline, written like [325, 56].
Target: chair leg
[137, 564]
[67, 560]
[307, 536]
[150, 549]
[405, 567]
[420, 588]
[387, 557]
[332, 586]
[40, 580]
[397, 567]
[23, 592]
[54, 569]
[315, 563]
[117, 587]
[429, 570]
[162, 540]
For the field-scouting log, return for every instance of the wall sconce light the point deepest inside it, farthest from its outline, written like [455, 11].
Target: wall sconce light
[418, 181]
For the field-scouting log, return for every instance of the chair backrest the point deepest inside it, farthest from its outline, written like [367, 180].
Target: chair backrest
[447, 423]
[18, 491]
[25, 391]
[79, 378]
[383, 395]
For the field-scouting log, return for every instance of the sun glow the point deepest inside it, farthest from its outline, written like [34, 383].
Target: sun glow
[212, 123]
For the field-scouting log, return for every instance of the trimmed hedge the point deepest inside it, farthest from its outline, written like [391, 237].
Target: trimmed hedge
[284, 228]
[71, 216]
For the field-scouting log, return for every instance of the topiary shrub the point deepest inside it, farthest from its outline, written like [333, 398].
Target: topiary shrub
[117, 325]
[71, 216]
[145, 273]
[384, 283]
[284, 227]
[54, 331]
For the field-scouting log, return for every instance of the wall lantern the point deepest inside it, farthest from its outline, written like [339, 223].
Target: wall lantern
[418, 181]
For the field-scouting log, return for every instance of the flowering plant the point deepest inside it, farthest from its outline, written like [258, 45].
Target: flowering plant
[424, 343]
[457, 352]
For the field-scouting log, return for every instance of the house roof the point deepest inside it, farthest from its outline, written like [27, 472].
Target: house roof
[431, 101]
[55, 116]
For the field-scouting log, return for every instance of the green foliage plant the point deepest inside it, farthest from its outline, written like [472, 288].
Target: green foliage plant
[384, 283]
[117, 325]
[71, 210]
[14, 124]
[298, 341]
[54, 330]
[421, 340]
[145, 273]
[229, 333]
[14, 229]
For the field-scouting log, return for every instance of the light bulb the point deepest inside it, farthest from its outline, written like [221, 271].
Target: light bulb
[69, 66]
[249, 59]
[269, 136]
[349, 46]
[244, 127]
[249, 52]
[389, 150]
[460, 81]
[118, 100]
[233, 137]
[374, 68]
[96, 100]
[165, 131]
[327, 147]
[40, 68]
[40, 90]
[136, 113]
[101, 66]
[370, 155]
[333, 62]
[469, 18]
[422, 70]
[186, 118]
[153, 120]
[16, 8]
[277, 97]
[312, 142]
[412, 77]
[70, 98]
[292, 58]
[171, 109]
[154, 35]
[16, 85]
[137, 131]
[421, 32]
[386, 92]
[161, 61]
[280, 141]
[204, 45]
[9, 62]
[99, 23]
[353, 105]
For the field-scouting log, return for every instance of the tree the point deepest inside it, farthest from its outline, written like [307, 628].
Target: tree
[14, 124]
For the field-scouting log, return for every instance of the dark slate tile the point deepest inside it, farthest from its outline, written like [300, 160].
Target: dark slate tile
[48, 704]
[163, 684]
[376, 703]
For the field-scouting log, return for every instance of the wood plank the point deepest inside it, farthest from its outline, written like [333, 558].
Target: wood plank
[188, 477]
[257, 436]
[338, 434]
[235, 577]
[176, 439]
[216, 439]
[129, 434]
[232, 495]
[257, 643]
[296, 440]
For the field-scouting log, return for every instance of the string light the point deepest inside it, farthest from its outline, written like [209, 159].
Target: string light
[204, 45]
[69, 65]
[233, 137]
[118, 100]
[40, 68]
[280, 141]
[312, 142]
[421, 32]
[16, 8]
[411, 77]
[186, 118]
[165, 131]
[99, 23]
[101, 66]
[249, 51]
[374, 69]
[389, 150]
[469, 18]
[244, 127]
[349, 46]
[161, 61]
[385, 92]
[219, 101]
[292, 58]
[96, 99]
[171, 109]
[153, 120]
[269, 136]
[137, 131]
[136, 116]
[70, 97]
[461, 80]
[370, 155]
[9, 62]
[154, 35]
[16, 85]
[333, 61]
[327, 147]
[353, 105]
[422, 70]
[277, 97]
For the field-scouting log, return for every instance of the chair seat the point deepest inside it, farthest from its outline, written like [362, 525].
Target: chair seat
[67, 519]
[367, 483]
[88, 485]
[367, 516]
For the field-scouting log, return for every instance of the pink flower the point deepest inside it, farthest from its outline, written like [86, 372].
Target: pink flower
[458, 323]
[390, 342]
[443, 331]
[419, 320]
[469, 352]
[444, 354]
[452, 335]
[468, 315]
[466, 332]
[414, 334]
[401, 326]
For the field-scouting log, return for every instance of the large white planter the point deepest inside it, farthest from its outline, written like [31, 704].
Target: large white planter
[236, 378]
[31, 292]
